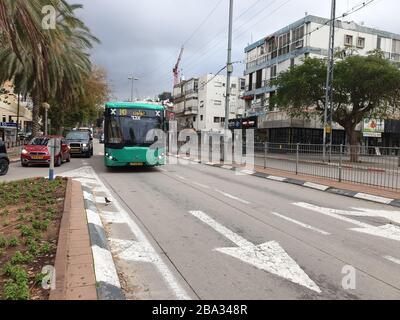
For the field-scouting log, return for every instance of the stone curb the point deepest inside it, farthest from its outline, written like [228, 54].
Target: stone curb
[108, 285]
[307, 184]
[74, 271]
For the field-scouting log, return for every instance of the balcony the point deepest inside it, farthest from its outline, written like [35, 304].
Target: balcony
[190, 111]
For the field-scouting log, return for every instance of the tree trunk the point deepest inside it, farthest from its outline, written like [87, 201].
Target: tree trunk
[354, 144]
[35, 115]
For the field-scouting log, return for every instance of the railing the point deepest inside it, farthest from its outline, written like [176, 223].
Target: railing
[14, 144]
[379, 167]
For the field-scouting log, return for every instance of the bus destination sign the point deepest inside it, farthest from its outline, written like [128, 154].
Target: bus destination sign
[137, 113]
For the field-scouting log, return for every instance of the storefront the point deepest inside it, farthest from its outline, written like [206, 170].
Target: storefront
[8, 131]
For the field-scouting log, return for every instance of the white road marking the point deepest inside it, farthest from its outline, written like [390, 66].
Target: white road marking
[232, 197]
[316, 186]
[180, 177]
[88, 196]
[276, 178]
[386, 231]
[201, 185]
[163, 170]
[392, 259]
[100, 200]
[301, 224]
[268, 256]
[103, 259]
[370, 197]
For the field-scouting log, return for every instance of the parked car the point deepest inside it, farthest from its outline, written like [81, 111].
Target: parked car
[80, 143]
[38, 151]
[4, 161]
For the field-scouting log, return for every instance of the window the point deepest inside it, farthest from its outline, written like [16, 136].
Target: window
[233, 86]
[258, 79]
[348, 40]
[194, 119]
[273, 72]
[283, 43]
[218, 84]
[217, 102]
[250, 81]
[396, 46]
[298, 35]
[360, 43]
[201, 118]
[242, 84]
[217, 119]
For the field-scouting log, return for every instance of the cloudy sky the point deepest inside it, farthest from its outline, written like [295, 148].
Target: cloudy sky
[143, 37]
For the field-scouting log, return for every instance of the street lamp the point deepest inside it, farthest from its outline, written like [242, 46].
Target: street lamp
[132, 79]
[46, 107]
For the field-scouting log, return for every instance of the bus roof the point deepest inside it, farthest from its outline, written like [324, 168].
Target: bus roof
[134, 105]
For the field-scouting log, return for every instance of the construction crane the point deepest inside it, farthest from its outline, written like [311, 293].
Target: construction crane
[176, 68]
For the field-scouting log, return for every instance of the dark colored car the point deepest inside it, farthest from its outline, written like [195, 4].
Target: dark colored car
[38, 151]
[4, 161]
[80, 143]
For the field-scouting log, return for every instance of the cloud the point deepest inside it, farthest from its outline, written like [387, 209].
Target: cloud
[143, 37]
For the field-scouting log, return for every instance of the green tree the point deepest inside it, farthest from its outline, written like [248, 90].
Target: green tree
[364, 86]
[45, 64]
[86, 107]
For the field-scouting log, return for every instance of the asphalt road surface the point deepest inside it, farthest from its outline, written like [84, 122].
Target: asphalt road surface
[199, 232]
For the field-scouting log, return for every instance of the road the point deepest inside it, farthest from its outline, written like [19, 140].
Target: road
[199, 232]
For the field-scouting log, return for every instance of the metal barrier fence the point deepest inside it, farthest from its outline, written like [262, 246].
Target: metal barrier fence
[379, 167]
[372, 166]
[14, 144]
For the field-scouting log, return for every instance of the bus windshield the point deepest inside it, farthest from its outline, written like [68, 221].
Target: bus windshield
[129, 132]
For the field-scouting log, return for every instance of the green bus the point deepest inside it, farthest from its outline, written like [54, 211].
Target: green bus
[126, 125]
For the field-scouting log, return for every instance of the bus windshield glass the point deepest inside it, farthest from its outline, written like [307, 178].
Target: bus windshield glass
[126, 131]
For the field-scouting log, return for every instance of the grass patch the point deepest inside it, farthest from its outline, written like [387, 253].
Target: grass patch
[30, 216]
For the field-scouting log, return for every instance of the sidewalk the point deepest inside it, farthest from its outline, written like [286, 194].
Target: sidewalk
[391, 194]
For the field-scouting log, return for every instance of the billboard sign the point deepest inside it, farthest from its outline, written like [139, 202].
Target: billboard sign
[373, 128]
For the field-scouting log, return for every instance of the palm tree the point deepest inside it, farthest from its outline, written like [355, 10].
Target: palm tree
[43, 63]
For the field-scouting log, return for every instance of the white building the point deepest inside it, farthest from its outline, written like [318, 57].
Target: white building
[200, 102]
[307, 37]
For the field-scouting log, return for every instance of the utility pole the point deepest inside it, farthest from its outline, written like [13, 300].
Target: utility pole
[329, 84]
[229, 67]
[18, 104]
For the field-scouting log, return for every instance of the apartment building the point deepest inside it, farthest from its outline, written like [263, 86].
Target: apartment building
[277, 52]
[199, 103]
[9, 114]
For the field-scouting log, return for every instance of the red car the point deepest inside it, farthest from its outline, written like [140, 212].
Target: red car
[38, 152]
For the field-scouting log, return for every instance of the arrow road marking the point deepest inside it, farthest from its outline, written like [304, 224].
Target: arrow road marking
[386, 231]
[268, 256]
